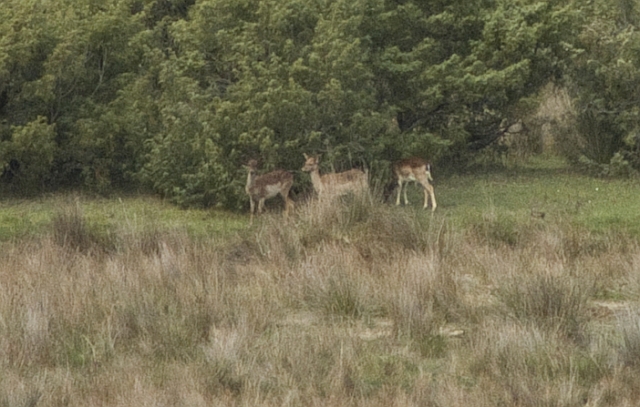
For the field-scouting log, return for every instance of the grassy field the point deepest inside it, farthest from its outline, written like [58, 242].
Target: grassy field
[522, 289]
[23, 218]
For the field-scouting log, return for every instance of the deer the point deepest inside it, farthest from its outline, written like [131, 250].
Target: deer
[263, 187]
[335, 184]
[417, 170]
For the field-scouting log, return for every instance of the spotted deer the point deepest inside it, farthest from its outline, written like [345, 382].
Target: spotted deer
[263, 187]
[417, 170]
[335, 184]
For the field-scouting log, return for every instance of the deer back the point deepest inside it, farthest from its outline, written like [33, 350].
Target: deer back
[334, 183]
[413, 168]
[340, 183]
[271, 184]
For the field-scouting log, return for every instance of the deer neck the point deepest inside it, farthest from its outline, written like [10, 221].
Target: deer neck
[251, 178]
[316, 180]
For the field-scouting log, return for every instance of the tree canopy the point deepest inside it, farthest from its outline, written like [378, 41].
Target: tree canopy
[176, 95]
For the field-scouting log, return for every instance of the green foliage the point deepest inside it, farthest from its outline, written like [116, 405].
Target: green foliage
[604, 77]
[177, 95]
[617, 167]
[65, 62]
[33, 146]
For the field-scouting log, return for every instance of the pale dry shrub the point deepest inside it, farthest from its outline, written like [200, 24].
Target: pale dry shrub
[621, 387]
[549, 298]
[278, 242]
[320, 361]
[335, 281]
[604, 264]
[28, 304]
[578, 243]
[630, 279]
[629, 328]
[560, 242]
[389, 232]
[19, 391]
[370, 305]
[83, 307]
[422, 296]
[375, 228]
[322, 220]
[150, 240]
[531, 366]
[284, 241]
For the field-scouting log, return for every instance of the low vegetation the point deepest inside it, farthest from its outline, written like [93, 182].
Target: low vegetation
[520, 290]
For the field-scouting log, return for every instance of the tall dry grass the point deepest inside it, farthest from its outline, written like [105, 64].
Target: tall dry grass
[347, 303]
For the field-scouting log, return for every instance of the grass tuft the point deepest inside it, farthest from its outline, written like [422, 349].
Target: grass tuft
[629, 326]
[71, 231]
[550, 300]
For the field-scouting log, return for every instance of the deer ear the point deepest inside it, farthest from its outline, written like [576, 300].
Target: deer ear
[305, 156]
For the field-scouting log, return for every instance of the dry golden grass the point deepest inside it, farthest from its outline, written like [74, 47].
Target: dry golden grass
[353, 303]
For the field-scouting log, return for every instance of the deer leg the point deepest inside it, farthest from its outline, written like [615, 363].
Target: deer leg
[399, 192]
[261, 206]
[288, 203]
[253, 207]
[288, 206]
[429, 189]
[434, 205]
[406, 201]
[426, 197]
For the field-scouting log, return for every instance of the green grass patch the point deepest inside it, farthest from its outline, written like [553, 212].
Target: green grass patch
[24, 218]
[551, 193]
[499, 202]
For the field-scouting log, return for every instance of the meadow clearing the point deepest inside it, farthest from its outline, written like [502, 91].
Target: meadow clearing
[522, 289]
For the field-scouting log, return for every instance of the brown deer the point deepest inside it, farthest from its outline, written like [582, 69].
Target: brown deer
[335, 184]
[262, 187]
[418, 170]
